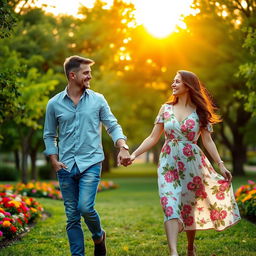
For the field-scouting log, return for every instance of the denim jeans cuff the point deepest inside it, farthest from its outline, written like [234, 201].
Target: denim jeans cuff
[97, 236]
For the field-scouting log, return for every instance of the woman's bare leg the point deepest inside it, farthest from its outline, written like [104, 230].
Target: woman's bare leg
[172, 230]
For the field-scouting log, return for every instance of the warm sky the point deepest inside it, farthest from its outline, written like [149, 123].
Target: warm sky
[158, 16]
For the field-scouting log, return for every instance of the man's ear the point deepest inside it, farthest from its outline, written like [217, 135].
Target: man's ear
[72, 75]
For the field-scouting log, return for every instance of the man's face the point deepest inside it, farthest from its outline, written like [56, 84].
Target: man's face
[83, 76]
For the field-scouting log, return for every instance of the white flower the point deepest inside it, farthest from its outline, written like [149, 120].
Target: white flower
[21, 215]
[2, 215]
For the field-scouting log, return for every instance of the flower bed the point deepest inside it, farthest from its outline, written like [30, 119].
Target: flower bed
[246, 200]
[46, 189]
[16, 212]
[34, 189]
[106, 185]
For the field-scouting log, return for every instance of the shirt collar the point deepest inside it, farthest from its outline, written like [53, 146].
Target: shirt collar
[65, 93]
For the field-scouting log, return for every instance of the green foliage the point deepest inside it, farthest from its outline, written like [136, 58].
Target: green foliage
[8, 19]
[248, 71]
[45, 172]
[9, 94]
[8, 173]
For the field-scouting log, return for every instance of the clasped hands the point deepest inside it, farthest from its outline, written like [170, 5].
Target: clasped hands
[124, 158]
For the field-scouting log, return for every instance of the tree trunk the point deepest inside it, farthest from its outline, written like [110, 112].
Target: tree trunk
[238, 154]
[17, 160]
[237, 147]
[33, 154]
[24, 164]
[25, 145]
[147, 157]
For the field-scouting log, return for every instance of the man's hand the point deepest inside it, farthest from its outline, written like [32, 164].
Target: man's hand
[58, 165]
[124, 157]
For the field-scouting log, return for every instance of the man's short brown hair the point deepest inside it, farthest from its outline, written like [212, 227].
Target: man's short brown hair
[73, 63]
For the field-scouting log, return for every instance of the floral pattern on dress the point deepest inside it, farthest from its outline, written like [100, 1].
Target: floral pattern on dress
[189, 187]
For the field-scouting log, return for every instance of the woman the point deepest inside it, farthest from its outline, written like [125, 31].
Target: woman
[193, 195]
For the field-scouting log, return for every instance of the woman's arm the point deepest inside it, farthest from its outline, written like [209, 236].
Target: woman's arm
[150, 141]
[212, 150]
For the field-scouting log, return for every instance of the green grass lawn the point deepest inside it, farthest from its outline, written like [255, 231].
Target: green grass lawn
[133, 219]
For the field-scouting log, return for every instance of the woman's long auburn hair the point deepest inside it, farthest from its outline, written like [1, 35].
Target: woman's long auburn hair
[205, 107]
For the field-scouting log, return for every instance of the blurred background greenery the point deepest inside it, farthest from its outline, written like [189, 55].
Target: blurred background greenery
[133, 69]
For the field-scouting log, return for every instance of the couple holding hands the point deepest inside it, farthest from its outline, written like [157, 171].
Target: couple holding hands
[192, 194]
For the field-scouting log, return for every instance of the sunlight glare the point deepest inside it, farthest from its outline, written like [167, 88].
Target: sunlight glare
[162, 17]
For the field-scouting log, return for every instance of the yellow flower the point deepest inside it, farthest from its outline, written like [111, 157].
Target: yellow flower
[252, 192]
[6, 224]
[125, 248]
[16, 203]
[33, 209]
[28, 202]
[247, 198]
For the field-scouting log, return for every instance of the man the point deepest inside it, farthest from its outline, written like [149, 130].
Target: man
[77, 114]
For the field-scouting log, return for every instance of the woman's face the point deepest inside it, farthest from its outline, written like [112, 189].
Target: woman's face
[178, 88]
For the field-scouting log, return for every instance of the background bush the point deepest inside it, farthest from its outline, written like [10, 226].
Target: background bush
[45, 172]
[8, 173]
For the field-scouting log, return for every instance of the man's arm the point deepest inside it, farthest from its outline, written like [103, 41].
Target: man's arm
[50, 137]
[115, 131]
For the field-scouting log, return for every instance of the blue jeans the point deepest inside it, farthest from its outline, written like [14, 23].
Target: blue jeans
[79, 192]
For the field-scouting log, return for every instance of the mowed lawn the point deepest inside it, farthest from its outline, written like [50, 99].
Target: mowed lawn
[133, 220]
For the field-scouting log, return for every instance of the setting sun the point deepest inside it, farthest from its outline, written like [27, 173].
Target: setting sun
[162, 17]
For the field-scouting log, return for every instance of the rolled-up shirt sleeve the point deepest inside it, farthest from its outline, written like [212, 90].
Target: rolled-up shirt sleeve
[50, 131]
[110, 122]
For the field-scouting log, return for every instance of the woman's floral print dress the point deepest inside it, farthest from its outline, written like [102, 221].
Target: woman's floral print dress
[190, 189]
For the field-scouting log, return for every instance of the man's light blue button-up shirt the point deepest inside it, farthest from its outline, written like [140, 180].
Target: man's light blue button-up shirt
[78, 128]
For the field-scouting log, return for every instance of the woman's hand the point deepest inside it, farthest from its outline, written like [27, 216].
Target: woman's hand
[133, 157]
[225, 173]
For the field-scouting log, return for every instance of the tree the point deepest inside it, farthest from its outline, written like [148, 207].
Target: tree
[248, 71]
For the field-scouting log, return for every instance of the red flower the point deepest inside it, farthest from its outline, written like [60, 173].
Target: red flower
[166, 115]
[171, 136]
[197, 180]
[13, 229]
[203, 160]
[191, 136]
[223, 214]
[220, 196]
[183, 214]
[164, 201]
[222, 188]
[191, 186]
[187, 150]
[189, 220]
[214, 215]
[181, 166]
[187, 208]
[190, 123]
[168, 177]
[168, 211]
[183, 128]
[166, 149]
[175, 174]
[201, 194]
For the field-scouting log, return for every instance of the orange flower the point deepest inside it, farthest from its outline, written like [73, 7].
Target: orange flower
[246, 198]
[6, 224]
